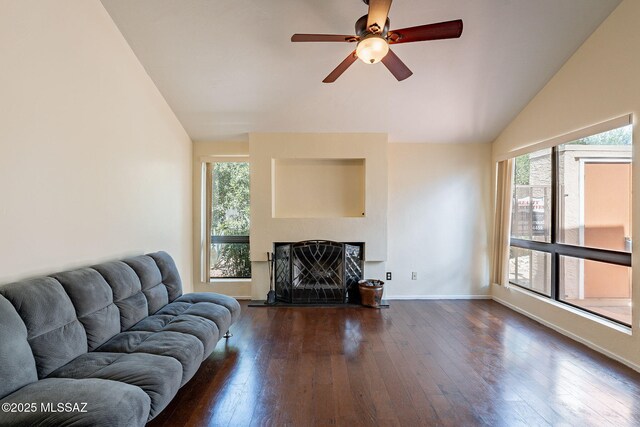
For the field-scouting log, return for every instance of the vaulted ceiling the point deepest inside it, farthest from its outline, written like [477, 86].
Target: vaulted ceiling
[227, 68]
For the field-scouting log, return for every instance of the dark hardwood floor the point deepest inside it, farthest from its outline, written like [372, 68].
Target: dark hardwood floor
[453, 363]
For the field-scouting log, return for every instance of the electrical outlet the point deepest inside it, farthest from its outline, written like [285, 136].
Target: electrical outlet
[414, 275]
[388, 275]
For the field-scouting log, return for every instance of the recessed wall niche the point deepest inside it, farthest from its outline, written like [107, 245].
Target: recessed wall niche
[318, 188]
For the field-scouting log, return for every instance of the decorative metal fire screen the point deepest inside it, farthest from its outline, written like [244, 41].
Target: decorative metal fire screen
[318, 271]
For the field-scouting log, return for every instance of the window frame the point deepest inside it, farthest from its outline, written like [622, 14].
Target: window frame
[556, 250]
[244, 239]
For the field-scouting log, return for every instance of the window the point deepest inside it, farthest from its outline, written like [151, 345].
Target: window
[531, 212]
[571, 223]
[229, 219]
[530, 269]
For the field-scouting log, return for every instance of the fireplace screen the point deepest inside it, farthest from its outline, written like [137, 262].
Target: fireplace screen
[317, 271]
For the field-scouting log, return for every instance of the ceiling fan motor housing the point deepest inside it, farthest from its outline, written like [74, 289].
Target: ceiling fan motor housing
[362, 30]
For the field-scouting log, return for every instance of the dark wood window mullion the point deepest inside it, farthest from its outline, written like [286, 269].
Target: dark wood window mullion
[229, 239]
[555, 221]
[532, 244]
[593, 254]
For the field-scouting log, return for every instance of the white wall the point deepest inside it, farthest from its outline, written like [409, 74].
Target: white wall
[601, 81]
[439, 210]
[93, 163]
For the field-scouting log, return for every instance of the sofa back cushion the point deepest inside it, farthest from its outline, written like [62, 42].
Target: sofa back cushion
[151, 280]
[54, 333]
[170, 275]
[127, 292]
[93, 299]
[17, 365]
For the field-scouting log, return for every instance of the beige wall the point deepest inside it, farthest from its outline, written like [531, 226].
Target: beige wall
[437, 222]
[93, 163]
[439, 216]
[370, 228]
[600, 82]
[265, 229]
[318, 188]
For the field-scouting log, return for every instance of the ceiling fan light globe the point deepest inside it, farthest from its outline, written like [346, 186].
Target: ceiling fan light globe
[372, 49]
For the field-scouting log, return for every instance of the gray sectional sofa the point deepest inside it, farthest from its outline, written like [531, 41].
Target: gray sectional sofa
[108, 345]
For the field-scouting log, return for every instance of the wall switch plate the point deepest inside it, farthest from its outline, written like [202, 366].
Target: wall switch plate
[388, 275]
[414, 275]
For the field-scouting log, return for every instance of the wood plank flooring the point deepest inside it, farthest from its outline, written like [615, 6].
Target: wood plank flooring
[418, 363]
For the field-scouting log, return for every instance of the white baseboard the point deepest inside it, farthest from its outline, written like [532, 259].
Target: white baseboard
[569, 334]
[434, 297]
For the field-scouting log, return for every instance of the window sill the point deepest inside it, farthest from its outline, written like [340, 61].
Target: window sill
[229, 280]
[586, 315]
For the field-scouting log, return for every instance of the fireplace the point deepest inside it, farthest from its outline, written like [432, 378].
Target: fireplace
[318, 272]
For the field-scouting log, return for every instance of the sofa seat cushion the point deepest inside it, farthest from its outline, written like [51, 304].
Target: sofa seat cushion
[185, 348]
[214, 312]
[229, 303]
[202, 328]
[158, 376]
[108, 403]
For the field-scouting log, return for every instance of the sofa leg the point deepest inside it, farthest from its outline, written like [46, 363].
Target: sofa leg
[227, 335]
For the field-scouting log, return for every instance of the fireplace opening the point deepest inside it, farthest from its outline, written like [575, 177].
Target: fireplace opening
[318, 271]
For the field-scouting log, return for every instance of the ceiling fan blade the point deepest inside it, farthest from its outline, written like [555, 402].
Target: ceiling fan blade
[333, 76]
[378, 13]
[322, 38]
[439, 31]
[396, 66]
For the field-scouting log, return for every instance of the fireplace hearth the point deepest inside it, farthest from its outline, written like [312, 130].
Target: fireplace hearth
[318, 271]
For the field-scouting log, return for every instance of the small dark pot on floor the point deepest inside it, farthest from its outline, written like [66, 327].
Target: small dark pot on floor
[371, 292]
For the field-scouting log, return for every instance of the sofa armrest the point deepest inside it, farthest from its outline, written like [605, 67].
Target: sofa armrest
[83, 402]
[229, 303]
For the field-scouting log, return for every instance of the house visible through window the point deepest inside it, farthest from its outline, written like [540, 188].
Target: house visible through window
[571, 223]
[229, 254]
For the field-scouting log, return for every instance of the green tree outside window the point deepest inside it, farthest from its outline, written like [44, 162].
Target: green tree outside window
[230, 221]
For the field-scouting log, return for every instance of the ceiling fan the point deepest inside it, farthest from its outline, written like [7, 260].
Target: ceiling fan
[373, 38]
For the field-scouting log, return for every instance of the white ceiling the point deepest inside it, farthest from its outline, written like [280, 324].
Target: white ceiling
[227, 67]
